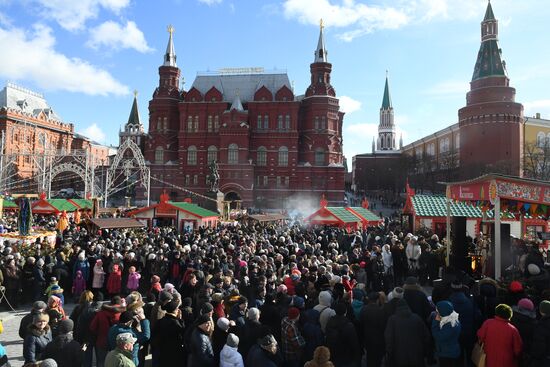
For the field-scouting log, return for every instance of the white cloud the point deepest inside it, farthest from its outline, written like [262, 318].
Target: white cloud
[362, 17]
[73, 14]
[116, 36]
[448, 88]
[95, 133]
[541, 106]
[33, 58]
[210, 2]
[349, 105]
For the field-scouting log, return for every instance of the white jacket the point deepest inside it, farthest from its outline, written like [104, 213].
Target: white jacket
[413, 252]
[230, 357]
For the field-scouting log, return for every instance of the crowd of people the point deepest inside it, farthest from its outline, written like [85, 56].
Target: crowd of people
[276, 295]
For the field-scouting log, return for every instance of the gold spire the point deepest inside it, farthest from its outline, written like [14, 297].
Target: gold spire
[170, 29]
[135, 93]
[321, 25]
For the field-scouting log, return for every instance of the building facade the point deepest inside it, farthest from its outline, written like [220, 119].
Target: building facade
[273, 148]
[33, 135]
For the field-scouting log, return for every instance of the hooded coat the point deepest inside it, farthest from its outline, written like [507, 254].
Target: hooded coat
[230, 357]
[99, 275]
[79, 284]
[64, 350]
[502, 342]
[114, 282]
[324, 309]
[35, 343]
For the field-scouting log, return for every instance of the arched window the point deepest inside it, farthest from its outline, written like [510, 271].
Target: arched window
[196, 123]
[457, 141]
[209, 123]
[190, 123]
[280, 122]
[216, 123]
[316, 125]
[388, 142]
[287, 122]
[159, 155]
[192, 155]
[159, 124]
[260, 126]
[266, 122]
[319, 157]
[261, 158]
[212, 154]
[165, 123]
[323, 123]
[283, 156]
[233, 154]
[541, 139]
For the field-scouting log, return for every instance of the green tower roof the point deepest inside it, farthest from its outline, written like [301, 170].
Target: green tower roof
[489, 15]
[489, 62]
[133, 119]
[386, 101]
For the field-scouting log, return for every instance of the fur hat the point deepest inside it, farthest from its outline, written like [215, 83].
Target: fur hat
[533, 269]
[65, 326]
[321, 358]
[397, 293]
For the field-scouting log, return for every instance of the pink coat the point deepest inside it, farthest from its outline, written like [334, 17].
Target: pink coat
[133, 281]
[79, 284]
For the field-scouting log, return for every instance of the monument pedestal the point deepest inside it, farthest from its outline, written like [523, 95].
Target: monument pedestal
[216, 204]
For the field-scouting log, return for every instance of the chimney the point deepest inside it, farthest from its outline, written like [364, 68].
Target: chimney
[537, 115]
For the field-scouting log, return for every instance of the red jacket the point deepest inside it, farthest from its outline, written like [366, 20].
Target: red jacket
[115, 281]
[502, 342]
[102, 321]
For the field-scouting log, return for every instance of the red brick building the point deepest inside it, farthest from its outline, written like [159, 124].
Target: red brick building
[272, 147]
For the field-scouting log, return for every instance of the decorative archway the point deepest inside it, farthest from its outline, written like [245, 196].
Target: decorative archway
[72, 167]
[127, 164]
[233, 199]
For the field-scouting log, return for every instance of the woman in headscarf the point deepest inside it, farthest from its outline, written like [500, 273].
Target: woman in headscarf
[446, 333]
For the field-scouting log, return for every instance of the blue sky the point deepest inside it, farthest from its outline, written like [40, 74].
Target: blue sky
[87, 56]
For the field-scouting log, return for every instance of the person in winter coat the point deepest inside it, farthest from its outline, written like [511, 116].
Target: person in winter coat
[446, 333]
[121, 356]
[38, 307]
[133, 279]
[39, 336]
[79, 285]
[219, 336]
[324, 309]
[502, 342]
[56, 313]
[63, 348]
[487, 299]
[98, 278]
[168, 337]
[292, 340]
[265, 353]
[114, 282]
[12, 282]
[84, 301]
[135, 324]
[469, 317]
[357, 303]
[341, 339]
[413, 252]
[252, 331]
[83, 265]
[416, 298]
[540, 345]
[372, 322]
[313, 335]
[525, 320]
[201, 353]
[230, 356]
[107, 316]
[39, 280]
[406, 337]
[321, 358]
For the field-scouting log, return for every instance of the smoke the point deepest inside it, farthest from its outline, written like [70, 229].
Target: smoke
[301, 205]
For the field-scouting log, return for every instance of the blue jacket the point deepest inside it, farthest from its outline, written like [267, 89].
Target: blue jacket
[468, 313]
[141, 337]
[446, 339]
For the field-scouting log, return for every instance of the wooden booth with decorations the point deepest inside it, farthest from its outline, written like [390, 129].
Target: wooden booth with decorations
[526, 200]
[184, 216]
[350, 218]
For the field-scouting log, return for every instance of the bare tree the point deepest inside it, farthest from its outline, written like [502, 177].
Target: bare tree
[536, 160]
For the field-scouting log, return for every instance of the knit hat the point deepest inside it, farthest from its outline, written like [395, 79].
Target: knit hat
[298, 302]
[293, 313]
[223, 323]
[48, 362]
[544, 308]
[516, 287]
[281, 288]
[504, 311]
[533, 269]
[125, 338]
[171, 306]
[203, 319]
[232, 340]
[445, 308]
[526, 304]
[165, 297]
[65, 326]
[39, 305]
[207, 308]
[125, 317]
[411, 281]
